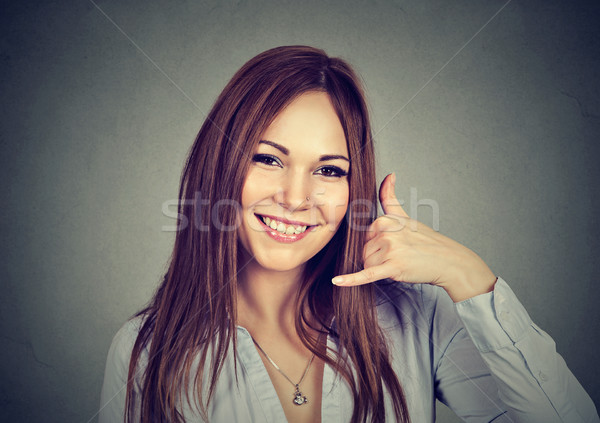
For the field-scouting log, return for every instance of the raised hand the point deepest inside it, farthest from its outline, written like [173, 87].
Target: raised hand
[403, 249]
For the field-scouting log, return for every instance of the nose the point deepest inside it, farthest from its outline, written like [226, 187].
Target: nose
[295, 192]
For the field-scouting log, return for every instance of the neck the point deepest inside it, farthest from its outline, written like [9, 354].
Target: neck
[267, 297]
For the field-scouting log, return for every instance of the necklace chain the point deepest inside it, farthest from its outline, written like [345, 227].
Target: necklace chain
[299, 398]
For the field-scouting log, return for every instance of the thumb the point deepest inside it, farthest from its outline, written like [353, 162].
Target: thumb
[387, 197]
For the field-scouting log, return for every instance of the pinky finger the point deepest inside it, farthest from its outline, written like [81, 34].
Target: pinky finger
[365, 276]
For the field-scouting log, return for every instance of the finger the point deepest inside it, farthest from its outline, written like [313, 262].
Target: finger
[385, 223]
[370, 248]
[387, 197]
[371, 233]
[365, 276]
[378, 257]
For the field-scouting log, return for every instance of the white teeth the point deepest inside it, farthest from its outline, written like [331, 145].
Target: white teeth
[282, 227]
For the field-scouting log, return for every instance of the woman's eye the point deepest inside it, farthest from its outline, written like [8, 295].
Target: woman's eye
[266, 159]
[332, 171]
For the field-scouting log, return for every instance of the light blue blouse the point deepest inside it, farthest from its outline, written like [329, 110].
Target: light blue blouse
[482, 357]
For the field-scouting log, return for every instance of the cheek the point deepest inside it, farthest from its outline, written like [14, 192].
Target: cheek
[251, 193]
[253, 189]
[337, 205]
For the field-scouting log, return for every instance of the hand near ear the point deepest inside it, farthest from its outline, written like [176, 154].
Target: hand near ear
[402, 249]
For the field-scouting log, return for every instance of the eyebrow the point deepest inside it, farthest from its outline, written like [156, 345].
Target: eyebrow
[285, 151]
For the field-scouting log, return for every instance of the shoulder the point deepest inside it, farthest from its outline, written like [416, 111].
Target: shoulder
[122, 343]
[128, 332]
[117, 369]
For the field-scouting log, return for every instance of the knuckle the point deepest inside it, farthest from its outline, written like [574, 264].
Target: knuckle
[376, 225]
[370, 262]
[385, 239]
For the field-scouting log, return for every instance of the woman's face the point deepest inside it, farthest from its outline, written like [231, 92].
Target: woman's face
[303, 153]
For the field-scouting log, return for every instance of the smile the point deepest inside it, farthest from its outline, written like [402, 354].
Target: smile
[284, 230]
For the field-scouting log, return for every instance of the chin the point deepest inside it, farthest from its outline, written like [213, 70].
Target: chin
[278, 262]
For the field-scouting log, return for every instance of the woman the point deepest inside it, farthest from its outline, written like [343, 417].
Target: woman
[247, 324]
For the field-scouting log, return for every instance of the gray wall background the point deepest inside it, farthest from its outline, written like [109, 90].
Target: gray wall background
[100, 107]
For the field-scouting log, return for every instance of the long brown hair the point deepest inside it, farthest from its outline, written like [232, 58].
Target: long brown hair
[193, 312]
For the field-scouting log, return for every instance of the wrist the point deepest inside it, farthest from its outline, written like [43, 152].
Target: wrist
[470, 282]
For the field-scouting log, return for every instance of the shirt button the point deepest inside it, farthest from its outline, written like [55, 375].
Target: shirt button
[504, 315]
[543, 376]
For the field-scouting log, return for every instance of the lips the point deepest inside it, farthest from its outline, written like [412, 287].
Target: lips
[284, 230]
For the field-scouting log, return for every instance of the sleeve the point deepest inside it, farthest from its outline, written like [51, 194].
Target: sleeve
[532, 381]
[114, 388]
[462, 380]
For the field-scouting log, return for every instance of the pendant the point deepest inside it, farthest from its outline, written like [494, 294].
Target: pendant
[299, 399]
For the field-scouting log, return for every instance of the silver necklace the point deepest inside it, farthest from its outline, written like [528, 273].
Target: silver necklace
[299, 398]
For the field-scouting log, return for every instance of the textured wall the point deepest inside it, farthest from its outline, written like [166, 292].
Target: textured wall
[497, 123]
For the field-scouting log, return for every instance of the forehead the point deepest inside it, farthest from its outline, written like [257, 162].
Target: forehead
[308, 123]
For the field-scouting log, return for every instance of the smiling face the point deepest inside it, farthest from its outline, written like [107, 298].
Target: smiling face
[303, 153]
